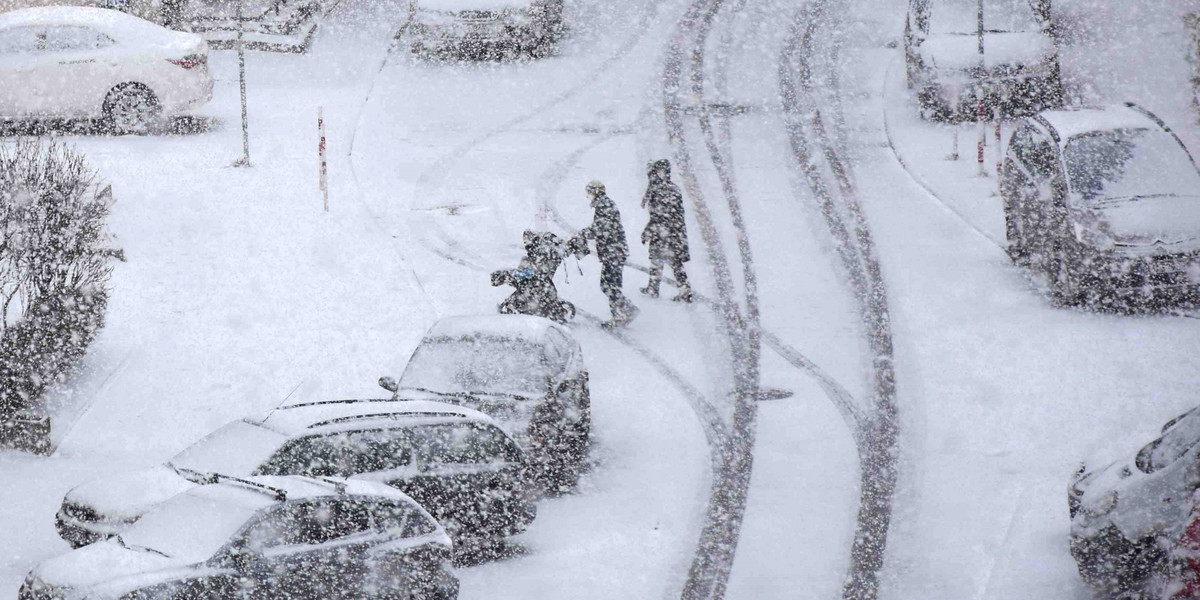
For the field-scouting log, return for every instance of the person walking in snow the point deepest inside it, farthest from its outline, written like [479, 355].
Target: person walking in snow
[666, 233]
[611, 249]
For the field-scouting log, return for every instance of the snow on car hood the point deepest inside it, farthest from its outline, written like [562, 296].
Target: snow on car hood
[1169, 222]
[453, 6]
[961, 51]
[99, 563]
[129, 495]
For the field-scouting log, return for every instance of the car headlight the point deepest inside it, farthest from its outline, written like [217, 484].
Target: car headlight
[1102, 507]
[33, 588]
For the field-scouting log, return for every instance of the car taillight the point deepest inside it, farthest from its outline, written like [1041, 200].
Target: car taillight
[190, 61]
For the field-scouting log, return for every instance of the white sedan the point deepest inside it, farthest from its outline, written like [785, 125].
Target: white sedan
[76, 62]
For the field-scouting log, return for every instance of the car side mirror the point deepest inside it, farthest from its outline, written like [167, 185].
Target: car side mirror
[389, 384]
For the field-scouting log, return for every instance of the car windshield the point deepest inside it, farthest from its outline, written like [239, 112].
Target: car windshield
[961, 16]
[1124, 164]
[235, 449]
[480, 364]
[188, 526]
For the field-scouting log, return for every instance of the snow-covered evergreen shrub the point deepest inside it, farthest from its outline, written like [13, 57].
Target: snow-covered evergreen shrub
[54, 272]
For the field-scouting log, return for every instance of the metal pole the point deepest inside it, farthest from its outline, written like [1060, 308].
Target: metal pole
[241, 52]
[979, 29]
[324, 179]
[979, 172]
[979, 90]
[999, 141]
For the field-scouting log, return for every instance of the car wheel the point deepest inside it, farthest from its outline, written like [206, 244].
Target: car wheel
[1113, 565]
[131, 109]
[1017, 251]
[1064, 285]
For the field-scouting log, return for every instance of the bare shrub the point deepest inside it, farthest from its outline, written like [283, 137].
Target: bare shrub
[55, 264]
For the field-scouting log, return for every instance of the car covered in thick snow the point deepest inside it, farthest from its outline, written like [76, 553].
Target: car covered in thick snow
[263, 537]
[95, 63]
[525, 371]
[1105, 204]
[484, 28]
[453, 460]
[1135, 522]
[1018, 71]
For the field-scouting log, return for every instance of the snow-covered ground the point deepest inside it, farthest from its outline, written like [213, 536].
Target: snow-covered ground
[239, 288]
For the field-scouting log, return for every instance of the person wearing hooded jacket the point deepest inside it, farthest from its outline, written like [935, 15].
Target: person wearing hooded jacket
[666, 232]
[611, 249]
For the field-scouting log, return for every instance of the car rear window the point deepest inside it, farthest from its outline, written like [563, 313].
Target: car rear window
[19, 40]
[341, 454]
[464, 443]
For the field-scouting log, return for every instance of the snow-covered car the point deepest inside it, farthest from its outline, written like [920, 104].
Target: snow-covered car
[1133, 521]
[527, 372]
[95, 63]
[263, 537]
[1018, 71]
[1105, 204]
[484, 28]
[453, 460]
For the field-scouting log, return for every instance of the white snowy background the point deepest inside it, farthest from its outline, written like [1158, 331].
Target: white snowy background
[238, 288]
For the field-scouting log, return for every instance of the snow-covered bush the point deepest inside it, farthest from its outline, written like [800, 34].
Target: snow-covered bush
[54, 272]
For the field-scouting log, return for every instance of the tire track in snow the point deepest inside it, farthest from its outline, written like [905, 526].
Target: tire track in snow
[711, 422]
[716, 549]
[878, 438]
[434, 177]
[841, 398]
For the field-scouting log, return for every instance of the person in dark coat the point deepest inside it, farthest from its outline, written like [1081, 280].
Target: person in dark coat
[666, 233]
[611, 249]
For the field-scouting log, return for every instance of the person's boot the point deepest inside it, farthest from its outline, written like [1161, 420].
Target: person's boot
[631, 311]
[651, 289]
[684, 295]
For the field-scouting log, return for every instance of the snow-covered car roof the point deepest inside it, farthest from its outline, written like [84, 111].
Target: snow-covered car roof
[1069, 122]
[959, 51]
[118, 25]
[190, 526]
[297, 419]
[961, 16]
[525, 327]
[453, 6]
